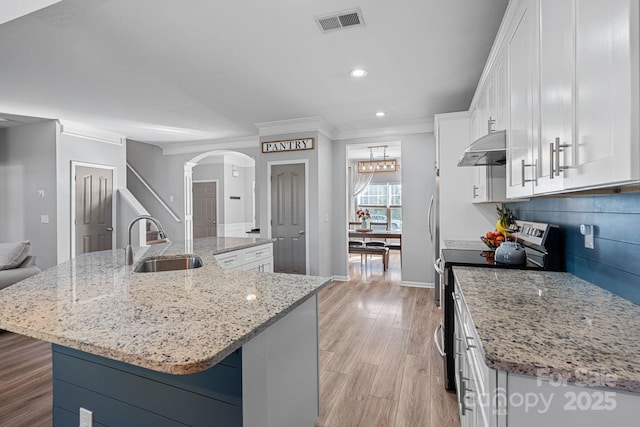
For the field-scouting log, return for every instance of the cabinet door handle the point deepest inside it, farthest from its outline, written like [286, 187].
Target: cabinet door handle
[490, 124]
[475, 191]
[469, 346]
[559, 147]
[551, 169]
[463, 398]
[533, 165]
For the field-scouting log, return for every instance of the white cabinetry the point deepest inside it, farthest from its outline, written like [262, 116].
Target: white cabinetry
[520, 42]
[556, 94]
[258, 258]
[606, 102]
[491, 398]
[573, 72]
[475, 382]
[488, 114]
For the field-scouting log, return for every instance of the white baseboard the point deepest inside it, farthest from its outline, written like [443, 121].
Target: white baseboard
[417, 284]
[340, 278]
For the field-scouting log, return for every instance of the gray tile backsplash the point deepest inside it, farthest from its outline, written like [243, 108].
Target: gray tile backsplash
[614, 264]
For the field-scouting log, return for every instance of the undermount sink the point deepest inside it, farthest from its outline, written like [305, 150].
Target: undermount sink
[168, 263]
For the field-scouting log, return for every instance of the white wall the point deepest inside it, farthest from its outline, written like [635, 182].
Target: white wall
[27, 165]
[77, 148]
[418, 184]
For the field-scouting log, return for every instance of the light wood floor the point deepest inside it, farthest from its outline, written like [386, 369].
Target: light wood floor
[25, 381]
[378, 363]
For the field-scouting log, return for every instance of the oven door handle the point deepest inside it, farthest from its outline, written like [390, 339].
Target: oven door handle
[437, 340]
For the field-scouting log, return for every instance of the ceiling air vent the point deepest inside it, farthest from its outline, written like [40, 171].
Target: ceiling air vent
[339, 20]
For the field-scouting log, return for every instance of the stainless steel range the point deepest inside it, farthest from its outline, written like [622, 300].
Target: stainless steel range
[542, 245]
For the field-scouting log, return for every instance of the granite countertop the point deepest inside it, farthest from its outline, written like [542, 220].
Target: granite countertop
[177, 322]
[553, 325]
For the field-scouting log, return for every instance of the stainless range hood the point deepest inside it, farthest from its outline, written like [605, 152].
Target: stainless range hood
[490, 150]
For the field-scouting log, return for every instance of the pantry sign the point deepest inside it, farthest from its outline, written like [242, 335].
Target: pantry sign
[287, 145]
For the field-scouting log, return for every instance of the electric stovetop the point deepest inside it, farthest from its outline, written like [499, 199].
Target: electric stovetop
[480, 258]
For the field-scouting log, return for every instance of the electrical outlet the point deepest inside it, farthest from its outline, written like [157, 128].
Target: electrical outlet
[44, 219]
[587, 231]
[86, 418]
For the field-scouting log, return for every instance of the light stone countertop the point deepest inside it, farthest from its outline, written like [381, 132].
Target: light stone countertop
[177, 322]
[554, 325]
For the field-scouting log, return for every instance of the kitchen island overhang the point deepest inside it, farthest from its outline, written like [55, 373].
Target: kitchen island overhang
[179, 322]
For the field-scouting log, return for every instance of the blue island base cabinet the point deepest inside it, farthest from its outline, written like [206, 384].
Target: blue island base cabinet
[271, 381]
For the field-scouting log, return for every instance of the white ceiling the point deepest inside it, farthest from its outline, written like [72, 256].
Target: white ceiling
[192, 70]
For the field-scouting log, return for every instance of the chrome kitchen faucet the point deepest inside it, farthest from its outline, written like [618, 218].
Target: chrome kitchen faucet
[128, 252]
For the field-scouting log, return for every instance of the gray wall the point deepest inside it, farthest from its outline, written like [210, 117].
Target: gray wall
[233, 187]
[71, 148]
[262, 174]
[418, 184]
[249, 176]
[325, 202]
[165, 174]
[28, 164]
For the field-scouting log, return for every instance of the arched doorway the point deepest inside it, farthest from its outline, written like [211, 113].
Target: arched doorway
[232, 161]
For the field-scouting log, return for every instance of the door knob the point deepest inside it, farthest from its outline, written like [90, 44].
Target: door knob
[301, 232]
[109, 228]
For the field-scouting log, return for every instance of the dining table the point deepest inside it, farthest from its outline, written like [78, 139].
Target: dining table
[379, 234]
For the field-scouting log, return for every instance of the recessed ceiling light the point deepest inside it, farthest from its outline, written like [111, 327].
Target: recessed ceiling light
[381, 114]
[358, 72]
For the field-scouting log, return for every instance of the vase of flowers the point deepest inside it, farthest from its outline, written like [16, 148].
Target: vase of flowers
[365, 218]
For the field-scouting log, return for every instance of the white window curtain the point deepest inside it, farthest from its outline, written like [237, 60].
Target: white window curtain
[357, 183]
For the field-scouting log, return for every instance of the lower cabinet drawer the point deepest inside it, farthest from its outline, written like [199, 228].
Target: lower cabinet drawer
[230, 260]
[259, 252]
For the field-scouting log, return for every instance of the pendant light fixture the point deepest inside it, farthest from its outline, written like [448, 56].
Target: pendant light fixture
[378, 166]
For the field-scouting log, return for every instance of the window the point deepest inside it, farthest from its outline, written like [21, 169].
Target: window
[383, 201]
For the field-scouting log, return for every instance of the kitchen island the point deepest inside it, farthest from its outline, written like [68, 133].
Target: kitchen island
[205, 346]
[544, 348]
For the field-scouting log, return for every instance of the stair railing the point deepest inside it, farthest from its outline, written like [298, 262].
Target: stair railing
[157, 197]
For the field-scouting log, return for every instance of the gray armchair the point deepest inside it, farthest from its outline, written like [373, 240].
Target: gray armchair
[26, 269]
[15, 263]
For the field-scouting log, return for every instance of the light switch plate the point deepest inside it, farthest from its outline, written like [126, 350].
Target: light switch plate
[44, 219]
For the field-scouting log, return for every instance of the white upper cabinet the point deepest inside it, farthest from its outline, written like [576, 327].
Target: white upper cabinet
[573, 95]
[501, 91]
[521, 132]
[606, 99]
[554, 152]
[489, 114]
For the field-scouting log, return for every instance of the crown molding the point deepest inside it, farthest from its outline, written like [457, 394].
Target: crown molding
[95, 134]
[170, 148]
[297, 126]
[304, 124]
[424, 125]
